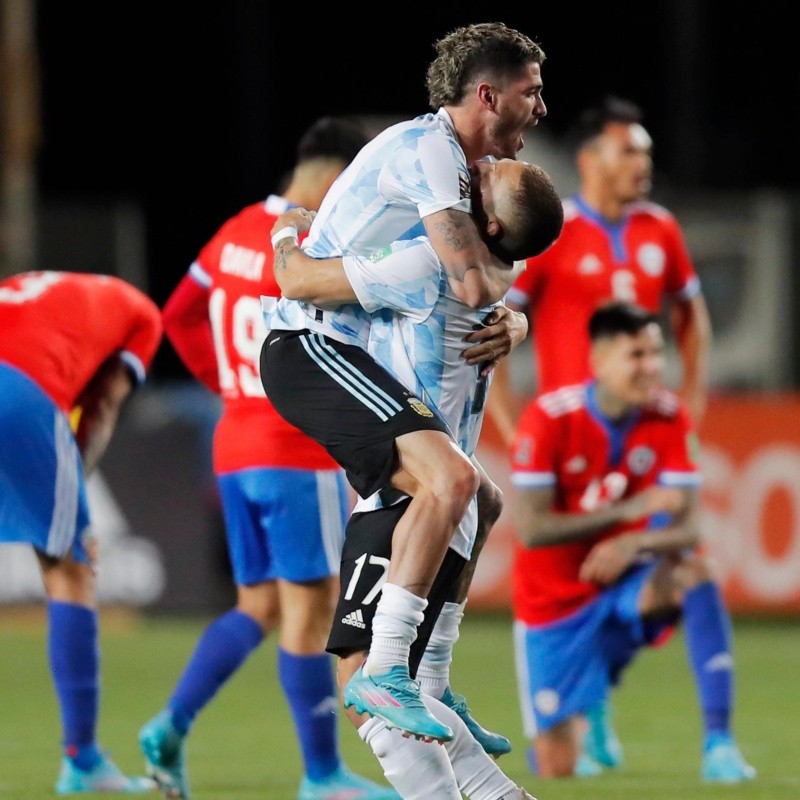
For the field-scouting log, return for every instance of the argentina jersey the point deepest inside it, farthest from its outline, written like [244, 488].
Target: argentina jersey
[417, 334]
[407, 172]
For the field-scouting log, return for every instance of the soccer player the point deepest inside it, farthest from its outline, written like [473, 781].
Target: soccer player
[72, 344]
[593, 580]
[417, 334]
[615, 244]
[486, 87]
[283, 497]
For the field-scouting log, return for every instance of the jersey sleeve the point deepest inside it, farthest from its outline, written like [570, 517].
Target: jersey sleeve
[404, 278]
[431, 173]
[680, 465]
[682, 282]
[533, 452]
[188, 327]
[527, 284]
[144, 329]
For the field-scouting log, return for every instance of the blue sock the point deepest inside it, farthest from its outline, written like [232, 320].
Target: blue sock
[75, 663]
[709, 639]
[309, 687]
[531, 760]
[221, 650]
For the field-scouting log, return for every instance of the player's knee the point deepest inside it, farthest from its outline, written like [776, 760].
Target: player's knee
[460, 482]
[693, 571]
[555, 765]
[555, 762]
[68, 581]
[260, 607]
[490, 503]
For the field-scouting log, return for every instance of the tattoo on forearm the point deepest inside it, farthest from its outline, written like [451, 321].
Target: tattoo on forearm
[459, 232]
[282, 253]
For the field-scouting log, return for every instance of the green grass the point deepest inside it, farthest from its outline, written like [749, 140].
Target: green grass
[243, 746]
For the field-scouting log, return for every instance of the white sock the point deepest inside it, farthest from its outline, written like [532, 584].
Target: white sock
[477, 774]
[394, 628]
[433, 672]
[418, 771]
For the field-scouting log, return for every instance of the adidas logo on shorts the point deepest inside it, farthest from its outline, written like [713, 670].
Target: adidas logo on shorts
[354, 618]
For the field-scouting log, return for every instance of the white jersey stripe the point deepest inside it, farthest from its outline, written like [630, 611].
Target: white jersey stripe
[333, 369]
[330, 518]
[523, 680]
[381, 397]
[533, 480]
[65, 506]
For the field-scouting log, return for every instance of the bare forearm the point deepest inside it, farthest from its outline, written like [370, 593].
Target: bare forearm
[475, 276]
[544, 528]
[669, 540]
[94, 438]
[100, 405]
[322, 282]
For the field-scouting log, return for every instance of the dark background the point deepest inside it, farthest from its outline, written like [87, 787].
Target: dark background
[192, 111]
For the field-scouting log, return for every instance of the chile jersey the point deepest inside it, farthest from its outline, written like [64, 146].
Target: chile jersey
[213, 319]
[59, 328]
[564, 441]
[409, 171]
[642, 259]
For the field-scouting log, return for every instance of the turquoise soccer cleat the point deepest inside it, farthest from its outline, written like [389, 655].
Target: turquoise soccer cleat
[601, 743]
[394, 697]
[493, 743]
[344, 785]
[587, 767]
[723, 762]
[164, 751]
[105, 777]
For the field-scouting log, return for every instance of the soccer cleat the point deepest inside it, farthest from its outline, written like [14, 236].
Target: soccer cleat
[394, 697]
[601, 743]
[493, 743]
[586, 767]
[164, 751]
[344, 785]
[105, 777]
[722, 761]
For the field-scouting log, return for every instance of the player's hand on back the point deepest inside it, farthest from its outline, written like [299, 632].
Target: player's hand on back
[654, 500]
[502, 330]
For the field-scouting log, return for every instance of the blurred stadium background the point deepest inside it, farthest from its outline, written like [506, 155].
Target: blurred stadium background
[129, 136]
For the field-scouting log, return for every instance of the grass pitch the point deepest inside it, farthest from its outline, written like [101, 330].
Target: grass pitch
[243, 746]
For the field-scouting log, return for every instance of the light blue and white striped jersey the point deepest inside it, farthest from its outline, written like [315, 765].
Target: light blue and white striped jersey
[407, 172]
[417, 334]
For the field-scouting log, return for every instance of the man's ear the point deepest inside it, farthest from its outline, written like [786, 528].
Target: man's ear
[486, 94]
[494, 230]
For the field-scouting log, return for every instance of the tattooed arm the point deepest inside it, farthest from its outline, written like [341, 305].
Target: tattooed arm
[320, 281]
[476, 276]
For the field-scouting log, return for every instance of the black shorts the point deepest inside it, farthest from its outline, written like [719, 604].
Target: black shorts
[365, 565]
[343, 399]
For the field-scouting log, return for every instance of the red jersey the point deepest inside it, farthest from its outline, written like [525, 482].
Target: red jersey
[564, 441]
[59, 328]
[213, 319]
[642, 258]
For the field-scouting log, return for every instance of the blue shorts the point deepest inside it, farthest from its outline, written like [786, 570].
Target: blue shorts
[42, 486]
[284, 523]
[566, 667]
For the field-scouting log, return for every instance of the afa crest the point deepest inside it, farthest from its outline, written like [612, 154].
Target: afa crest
[420, 407]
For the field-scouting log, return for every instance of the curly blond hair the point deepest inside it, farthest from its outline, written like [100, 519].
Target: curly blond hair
[484, 50]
